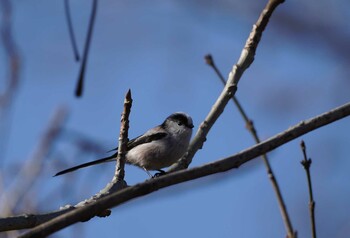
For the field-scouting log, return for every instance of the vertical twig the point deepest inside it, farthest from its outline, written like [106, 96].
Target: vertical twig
[70, 30]
[80, 84]
[123, 137]
[307, 164]
[117, 182]
[250, 126]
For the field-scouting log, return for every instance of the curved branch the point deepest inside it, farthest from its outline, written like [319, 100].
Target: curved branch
[80, 83]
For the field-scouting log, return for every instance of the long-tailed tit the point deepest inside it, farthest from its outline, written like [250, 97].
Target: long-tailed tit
[158, 148]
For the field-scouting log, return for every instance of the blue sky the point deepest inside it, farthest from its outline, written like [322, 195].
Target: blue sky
[156, 49]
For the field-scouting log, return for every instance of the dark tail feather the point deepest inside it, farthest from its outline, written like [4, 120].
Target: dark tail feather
[99, 161]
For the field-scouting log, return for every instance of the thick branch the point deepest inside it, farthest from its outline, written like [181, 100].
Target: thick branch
[152, 185]
[25, 221]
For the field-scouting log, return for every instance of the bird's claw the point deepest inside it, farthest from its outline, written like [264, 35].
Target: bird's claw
[161, 172]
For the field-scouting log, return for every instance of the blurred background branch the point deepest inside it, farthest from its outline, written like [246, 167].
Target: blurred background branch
[11, 84]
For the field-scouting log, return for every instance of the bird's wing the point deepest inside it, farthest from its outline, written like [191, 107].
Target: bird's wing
[146, 138]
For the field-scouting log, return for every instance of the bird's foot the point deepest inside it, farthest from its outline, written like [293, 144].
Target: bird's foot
[161, 172]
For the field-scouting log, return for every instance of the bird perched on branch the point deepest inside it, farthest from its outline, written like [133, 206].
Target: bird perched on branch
[158, 148]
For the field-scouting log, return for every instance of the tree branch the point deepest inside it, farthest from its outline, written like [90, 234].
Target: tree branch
[177, 177]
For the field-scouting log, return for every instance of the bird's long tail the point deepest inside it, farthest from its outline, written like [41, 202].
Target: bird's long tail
[99, 161]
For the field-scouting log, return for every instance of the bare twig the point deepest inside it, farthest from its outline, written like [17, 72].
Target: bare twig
[117, 183]
[250, 126]
[307, 164]
[80, 84]
[70, 30]
[245, 60]
[123, 138]
[177, 177]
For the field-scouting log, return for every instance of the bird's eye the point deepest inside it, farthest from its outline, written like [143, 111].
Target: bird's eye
[179, 123]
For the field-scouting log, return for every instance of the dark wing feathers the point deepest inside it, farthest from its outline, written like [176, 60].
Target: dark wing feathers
[142, 140]
[145, 139]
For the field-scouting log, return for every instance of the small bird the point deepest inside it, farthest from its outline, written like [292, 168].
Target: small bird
[158, 148]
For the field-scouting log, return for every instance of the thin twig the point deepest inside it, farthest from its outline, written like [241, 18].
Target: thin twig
[245, 60]
[80, 84]
[222, 165]
[123, 138]
[71, 30]
[250, 126]
[117, 182]
[307, 164]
